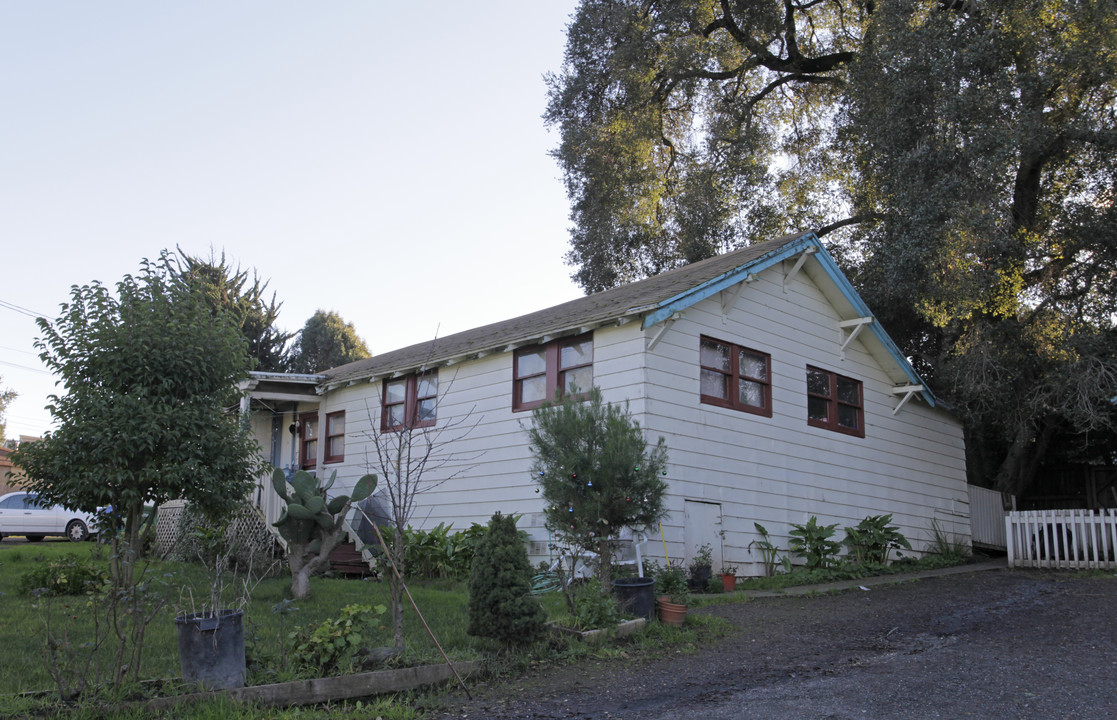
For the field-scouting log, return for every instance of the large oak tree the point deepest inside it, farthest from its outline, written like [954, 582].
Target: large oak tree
[956, 155]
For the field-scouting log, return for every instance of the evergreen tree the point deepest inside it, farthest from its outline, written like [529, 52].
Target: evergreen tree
[227, 290]
[596, 474]
[326, 341]
[501, 605]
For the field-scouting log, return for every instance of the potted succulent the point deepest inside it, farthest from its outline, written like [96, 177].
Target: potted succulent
[700, 567]
[729, 578]
[671, 586]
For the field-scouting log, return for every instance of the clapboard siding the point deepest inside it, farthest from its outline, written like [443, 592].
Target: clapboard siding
[775, 471]
[779, 470]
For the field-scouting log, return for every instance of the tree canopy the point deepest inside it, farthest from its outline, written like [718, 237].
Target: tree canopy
[957, 156]
[326, 341]
[148, 412]
[226, 289]
[6, 397]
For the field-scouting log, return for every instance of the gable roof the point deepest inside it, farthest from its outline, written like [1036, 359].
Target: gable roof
[649, 301]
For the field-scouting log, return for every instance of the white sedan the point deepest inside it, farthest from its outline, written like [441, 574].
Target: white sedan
[20, 514]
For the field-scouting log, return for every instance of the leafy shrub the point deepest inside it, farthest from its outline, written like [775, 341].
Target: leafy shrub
[65, 575]
[671, 580]
[436, 553]
[597, 608]
[812, 543]
[873, 539]
[501, 605]
[244, 537]
[331, 644]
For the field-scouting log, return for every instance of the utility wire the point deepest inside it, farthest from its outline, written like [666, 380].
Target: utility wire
[25, 367]
[18, 350]
[21, 309]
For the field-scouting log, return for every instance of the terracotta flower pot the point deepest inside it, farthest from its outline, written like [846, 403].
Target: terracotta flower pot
[671, 613]
[729, 582]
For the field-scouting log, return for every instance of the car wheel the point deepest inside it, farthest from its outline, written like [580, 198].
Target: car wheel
[34, 538]
[77, 531]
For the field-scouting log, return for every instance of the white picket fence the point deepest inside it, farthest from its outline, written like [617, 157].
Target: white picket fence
[1068, 539]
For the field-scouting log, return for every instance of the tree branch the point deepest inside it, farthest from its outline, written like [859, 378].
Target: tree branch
[853, 220]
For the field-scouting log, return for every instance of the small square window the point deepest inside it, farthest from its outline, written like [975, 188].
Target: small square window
[735, 377]
[835, 402]
[540, 372]
[410, 402]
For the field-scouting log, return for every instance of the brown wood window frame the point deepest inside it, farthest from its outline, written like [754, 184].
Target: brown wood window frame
[554, 372]
[734, 378]
[410, 402]
[308, 445]
[834, 403]
[333, 432]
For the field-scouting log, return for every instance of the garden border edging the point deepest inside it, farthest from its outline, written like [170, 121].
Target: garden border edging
[318, 690]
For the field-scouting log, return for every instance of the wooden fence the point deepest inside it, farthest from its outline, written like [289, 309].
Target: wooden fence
[1070, 539]
[987, 518]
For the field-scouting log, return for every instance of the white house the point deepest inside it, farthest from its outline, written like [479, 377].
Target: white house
[778, 393]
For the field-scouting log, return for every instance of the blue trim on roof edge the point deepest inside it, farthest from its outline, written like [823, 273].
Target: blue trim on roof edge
[680, 302]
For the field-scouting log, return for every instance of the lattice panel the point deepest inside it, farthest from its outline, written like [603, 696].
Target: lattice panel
[167, 530]
[247, 531]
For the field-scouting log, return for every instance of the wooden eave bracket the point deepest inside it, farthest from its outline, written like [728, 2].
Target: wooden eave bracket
[908, 391]
[729, 298]
[802, 259]
[855, 327]
[664, 328]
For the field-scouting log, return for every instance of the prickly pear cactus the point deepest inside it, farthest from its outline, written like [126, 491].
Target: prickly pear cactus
[311, 521]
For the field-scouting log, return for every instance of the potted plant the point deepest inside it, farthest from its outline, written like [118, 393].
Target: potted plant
[729, 577]
[674, 594]
[211, 633]
[700, 567]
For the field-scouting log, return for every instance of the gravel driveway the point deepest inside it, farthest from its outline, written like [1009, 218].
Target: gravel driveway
[998, 644]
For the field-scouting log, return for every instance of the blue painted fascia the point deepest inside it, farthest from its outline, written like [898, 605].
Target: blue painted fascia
[670, 306]
[666, 308]
[838, 278]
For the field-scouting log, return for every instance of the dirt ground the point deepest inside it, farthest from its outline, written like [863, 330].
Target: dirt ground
[996, 644]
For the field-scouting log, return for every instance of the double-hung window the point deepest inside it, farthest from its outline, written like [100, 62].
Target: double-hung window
[735, 377]
[835, 402]
[410, 401]
[308, 440]
[335, 437]
[541, 372]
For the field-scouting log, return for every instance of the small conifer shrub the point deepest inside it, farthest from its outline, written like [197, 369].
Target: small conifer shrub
[501, 605]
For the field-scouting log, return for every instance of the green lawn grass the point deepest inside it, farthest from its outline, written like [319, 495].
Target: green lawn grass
[443, 603]
[22, 617]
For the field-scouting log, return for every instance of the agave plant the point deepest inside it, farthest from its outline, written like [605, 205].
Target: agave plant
[311, 522]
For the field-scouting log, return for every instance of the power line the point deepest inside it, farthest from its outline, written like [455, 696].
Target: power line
[25, 352]
[21, 309]
[25, 367]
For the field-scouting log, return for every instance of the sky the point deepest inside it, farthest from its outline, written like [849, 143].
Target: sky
[384, 160]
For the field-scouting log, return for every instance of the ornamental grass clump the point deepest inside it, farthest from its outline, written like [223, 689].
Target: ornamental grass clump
[501, 605]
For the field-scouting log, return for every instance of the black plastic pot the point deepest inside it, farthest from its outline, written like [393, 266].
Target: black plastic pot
[211, 649]
[636, 596]
[699, 577]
